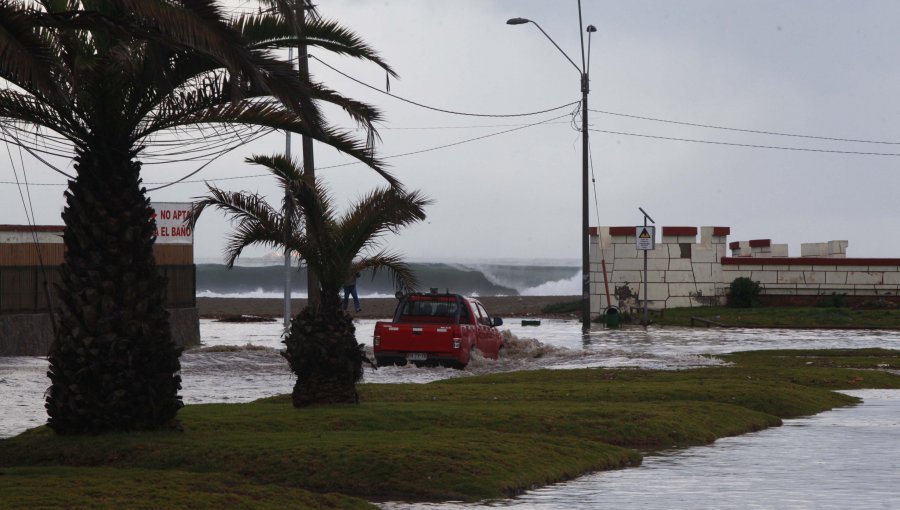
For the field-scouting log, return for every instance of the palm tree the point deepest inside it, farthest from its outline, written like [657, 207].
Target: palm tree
[321, 344]
[108, 76]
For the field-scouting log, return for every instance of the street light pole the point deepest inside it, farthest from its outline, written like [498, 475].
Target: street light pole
[585, 163]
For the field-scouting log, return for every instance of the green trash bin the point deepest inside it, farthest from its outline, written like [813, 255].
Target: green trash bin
[611, 317]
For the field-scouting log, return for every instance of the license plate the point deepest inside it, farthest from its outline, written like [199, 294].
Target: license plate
[416, 356]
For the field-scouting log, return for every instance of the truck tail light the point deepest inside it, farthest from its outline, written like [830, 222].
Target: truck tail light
[456, 343]
[376, 340]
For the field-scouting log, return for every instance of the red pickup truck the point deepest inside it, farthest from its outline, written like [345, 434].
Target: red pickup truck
[437, 329]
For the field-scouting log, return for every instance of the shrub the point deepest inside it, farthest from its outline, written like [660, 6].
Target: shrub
[835, 300]
[743, 293]
[878, 304]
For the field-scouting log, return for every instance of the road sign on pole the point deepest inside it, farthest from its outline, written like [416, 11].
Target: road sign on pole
[645, 237]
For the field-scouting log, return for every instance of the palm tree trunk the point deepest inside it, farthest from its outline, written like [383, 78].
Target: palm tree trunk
[322, 351]
[113, 364]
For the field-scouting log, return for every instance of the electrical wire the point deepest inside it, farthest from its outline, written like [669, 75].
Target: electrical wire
[195, 172]
[754, 131]
[184, 180]
[28, 149]
[748, 145]
[430, 149]
[452, 112]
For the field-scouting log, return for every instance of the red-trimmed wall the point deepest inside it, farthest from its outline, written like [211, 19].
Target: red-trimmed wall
[807, 261]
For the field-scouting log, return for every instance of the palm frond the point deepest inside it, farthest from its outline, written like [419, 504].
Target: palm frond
[382, 211]
[310, 199]
[401, 274]
[250, 233]
[201, 26]
[266, 31]
[289, 9]
[334, 37]
[272, 115]
[257, 221]
[25, 108]
[26, 57]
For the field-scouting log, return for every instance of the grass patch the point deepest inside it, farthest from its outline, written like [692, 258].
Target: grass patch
[786, 317]
[466, 439]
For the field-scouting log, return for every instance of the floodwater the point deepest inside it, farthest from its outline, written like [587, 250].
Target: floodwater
[846, 458]
[840, 459]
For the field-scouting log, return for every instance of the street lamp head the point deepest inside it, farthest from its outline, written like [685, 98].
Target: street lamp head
[591, 28]
[517, 21]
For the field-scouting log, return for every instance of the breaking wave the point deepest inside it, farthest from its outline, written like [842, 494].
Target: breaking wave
[215, 280]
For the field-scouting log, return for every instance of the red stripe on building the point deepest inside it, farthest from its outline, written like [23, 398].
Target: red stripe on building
[621, 231]
[721, 231]
[679, 231]
[760, 243]
[806, 261]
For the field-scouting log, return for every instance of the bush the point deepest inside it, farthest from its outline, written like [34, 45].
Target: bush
[835, 300]
[878, 304]
[743, 293]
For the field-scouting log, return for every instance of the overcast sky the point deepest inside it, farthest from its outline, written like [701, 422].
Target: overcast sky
[813, 68]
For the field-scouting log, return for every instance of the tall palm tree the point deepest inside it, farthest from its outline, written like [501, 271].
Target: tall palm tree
[109, 75]
[321, 344]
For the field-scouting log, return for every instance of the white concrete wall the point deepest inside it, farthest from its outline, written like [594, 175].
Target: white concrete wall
[672, 280]
[702, 279]
[870, 278]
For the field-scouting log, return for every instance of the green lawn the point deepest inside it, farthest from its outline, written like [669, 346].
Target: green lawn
[467, 438]
[784, 317]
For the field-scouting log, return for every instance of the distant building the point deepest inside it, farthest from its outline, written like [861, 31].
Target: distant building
[685, 273]
[29, 270]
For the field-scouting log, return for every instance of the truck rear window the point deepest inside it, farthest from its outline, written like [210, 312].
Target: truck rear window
[443, 311]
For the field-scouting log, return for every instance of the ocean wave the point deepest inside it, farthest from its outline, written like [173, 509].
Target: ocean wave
[260, 293]
[215, 280]
[565, 287]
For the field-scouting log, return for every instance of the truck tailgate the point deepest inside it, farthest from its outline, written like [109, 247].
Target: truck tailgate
[416, 337]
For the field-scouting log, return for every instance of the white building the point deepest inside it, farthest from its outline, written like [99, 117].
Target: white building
[682, 272]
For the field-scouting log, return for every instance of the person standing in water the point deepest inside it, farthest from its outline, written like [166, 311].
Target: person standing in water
[350, 290]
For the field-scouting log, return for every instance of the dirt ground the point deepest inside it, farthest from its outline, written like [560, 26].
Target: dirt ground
[376, 308]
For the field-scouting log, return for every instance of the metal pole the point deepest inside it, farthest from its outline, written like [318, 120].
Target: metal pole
[309, 165]
[653, 241]
[287, 233]
[645, 279]
[585, 225]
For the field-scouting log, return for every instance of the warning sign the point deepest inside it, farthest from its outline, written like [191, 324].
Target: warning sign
[645, 238]
[171, 227]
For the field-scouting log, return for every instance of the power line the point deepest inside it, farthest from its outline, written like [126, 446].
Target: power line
[435, 128]
[430, 149]
[217, 156]
[452, 112]
[42, 160]
[753, 146]
[740, 130]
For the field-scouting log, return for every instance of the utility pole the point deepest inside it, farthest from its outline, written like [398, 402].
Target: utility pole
[288, 226]
[585, 222]
[309, 166]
